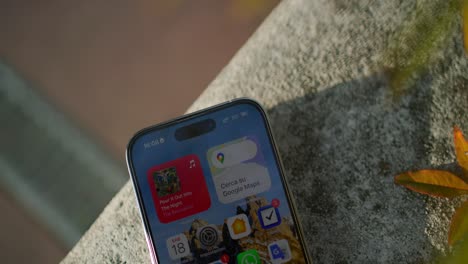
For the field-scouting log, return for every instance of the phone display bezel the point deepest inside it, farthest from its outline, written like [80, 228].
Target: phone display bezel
[187, 117]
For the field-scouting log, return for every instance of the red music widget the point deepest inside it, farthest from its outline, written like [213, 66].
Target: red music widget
[178, 188]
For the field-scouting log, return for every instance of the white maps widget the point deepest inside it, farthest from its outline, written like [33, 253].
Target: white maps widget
[238, 170]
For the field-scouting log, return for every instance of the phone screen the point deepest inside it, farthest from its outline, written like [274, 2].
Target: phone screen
[211, 191]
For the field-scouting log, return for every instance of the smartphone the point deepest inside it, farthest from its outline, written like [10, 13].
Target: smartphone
[211, 189]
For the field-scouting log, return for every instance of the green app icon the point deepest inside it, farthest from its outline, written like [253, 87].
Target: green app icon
[249, 257]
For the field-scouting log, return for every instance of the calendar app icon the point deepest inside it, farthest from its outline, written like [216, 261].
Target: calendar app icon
[178, 246]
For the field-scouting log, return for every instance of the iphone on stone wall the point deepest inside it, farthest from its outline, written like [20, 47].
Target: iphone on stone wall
[211, 189]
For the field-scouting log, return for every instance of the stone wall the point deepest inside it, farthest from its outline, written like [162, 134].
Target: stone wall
[317, 68]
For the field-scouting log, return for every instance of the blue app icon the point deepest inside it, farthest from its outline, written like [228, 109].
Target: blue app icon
[276, 252]
[279, 251]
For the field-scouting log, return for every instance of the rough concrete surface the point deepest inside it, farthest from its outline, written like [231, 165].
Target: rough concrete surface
[317, 68]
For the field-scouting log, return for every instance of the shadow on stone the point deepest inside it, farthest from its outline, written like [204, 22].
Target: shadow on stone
[341, 148]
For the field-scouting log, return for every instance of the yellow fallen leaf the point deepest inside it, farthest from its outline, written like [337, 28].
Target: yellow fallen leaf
[461, 149]
[446, 184]
[433, 182]
[459, 225]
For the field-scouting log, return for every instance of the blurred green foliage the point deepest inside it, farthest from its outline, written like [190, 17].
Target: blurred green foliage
[419, 41]
[459, 254]
[465, 24]
[245, 10]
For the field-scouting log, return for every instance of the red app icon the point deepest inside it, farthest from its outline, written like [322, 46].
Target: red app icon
[178, 188]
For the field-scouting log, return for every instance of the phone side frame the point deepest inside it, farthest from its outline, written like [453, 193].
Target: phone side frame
[279, 163]
[289, 195]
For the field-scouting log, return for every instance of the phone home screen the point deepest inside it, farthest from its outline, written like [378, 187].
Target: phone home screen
[217, 197]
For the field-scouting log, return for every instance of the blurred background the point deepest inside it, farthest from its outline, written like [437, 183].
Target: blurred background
[77, 79]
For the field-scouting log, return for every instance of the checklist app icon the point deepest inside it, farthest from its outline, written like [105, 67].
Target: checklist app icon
[269, 216]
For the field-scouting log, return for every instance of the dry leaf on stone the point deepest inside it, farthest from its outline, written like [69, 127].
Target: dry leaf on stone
[461, 149]
[433, 182]
[446, 184]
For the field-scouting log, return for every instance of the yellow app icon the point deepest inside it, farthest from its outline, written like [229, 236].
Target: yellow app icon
[239, 226]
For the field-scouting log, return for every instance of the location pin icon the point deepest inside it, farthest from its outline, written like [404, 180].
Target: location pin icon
[220, 157]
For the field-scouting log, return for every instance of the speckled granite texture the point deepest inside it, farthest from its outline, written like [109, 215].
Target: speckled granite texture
[316, 66]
